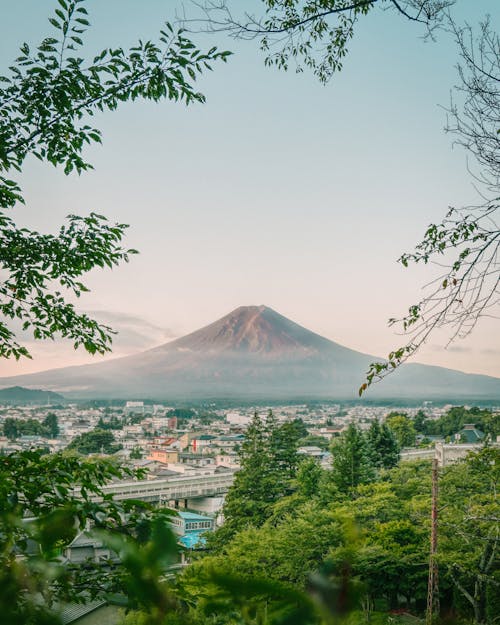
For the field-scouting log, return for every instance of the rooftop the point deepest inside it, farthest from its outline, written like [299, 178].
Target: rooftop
[192, 516]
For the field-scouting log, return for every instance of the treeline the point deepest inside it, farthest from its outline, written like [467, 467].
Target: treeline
[97, 441]
[406, 428]
[274, 476]
[356, 536]
[302, 544]
[455, 419]
[48, 428]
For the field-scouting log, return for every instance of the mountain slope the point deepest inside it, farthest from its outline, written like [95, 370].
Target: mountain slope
[20, 395]
[253, 352]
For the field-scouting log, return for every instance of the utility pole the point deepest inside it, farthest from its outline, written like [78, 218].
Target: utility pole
[433, 585]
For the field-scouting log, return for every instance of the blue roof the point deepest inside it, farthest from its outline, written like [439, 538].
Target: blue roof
[192, 516]
[193, 539]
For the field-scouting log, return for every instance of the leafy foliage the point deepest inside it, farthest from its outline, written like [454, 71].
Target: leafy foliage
[51, 422]
[136, 453]
[314, 560]
[370, 556]
[269, 461]
[47, 501]
[308, 477]
[470, 522]
[382, 445]
[49, 428]
[314, 441]
[466, 242]
[181, 413]
[46, 104]
[312, 35]
[98, 441]
[457, 417]
[403, 429]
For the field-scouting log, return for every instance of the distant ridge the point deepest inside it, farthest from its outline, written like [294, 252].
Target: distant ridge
[20, 395]
[254, 352]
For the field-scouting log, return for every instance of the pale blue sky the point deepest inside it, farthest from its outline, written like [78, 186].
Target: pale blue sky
[277, 191]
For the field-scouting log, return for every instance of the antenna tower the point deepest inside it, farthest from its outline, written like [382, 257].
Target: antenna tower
[432, 586]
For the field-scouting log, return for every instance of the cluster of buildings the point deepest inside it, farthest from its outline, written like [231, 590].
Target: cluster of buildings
[189, 458]
[202, 444]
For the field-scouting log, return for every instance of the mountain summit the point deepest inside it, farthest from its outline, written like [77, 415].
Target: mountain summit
[254, 352]
[254, 329]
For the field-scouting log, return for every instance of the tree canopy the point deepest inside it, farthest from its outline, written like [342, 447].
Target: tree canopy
[269, 461]
[97, 441]
[47, 102]
[309, 35]
[46, 502]
[365, 554]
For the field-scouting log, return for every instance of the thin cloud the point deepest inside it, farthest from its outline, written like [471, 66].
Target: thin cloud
[134, 334]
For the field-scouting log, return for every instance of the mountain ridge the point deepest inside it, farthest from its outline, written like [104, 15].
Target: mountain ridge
[253, 351]
[256, 329]
[22, 395]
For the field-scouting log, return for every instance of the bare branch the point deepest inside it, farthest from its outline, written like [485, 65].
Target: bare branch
[311, 34]
[468, 240]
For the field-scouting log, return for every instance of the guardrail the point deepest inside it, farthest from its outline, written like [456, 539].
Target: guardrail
[183, 487]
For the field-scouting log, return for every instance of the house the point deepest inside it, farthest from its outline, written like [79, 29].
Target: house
[229, 459]
[311, 450]
[235, 418]
[201, 441]
[85, 546]
[229, 442]
[90, 613]
[134, 407]
[185, 440]
[469, 434]
[195, 459]
[164, 455]
[190, 528]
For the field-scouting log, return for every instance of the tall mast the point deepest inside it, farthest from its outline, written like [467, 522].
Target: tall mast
[433, 583]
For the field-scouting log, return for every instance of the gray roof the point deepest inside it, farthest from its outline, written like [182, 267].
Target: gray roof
[73, 611]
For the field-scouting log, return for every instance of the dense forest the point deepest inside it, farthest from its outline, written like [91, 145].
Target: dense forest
[353, 540]
[301, 544]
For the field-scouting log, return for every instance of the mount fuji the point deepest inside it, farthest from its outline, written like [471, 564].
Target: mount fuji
[254, 352]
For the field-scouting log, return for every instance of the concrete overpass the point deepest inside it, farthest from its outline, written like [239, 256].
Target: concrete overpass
[173, 488]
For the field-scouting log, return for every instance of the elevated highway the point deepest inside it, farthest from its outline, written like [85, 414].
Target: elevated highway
[192, 486]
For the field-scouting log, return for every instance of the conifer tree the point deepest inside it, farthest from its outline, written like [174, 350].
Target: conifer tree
[247, 499]
[308, 477]
[269, 461]
[351, 464]
[52, 425]
[283, 456]
[382, 445]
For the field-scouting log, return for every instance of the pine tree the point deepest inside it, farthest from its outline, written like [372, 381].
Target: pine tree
[247, 499]
[351, 464]
[308, 477]
[284, 459]
[269, 461]
[382, 445]
[52, 425]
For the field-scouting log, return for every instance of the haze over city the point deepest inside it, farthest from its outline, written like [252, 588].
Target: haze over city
[276, 191]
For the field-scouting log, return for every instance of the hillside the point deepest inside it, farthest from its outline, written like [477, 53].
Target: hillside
[20, 395]
[254, 352]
